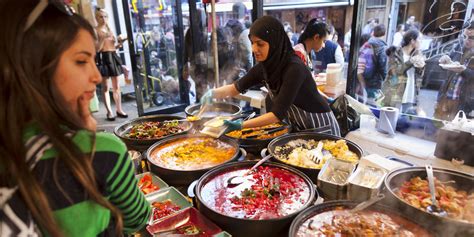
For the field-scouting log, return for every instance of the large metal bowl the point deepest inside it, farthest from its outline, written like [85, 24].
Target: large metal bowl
[143, 144]
[214, 109]
[443, 226]
[331, 205]
[250, 227]
[312, 173]
[181, 178]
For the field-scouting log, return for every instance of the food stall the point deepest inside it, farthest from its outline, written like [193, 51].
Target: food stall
[310, 179]
[368, 183]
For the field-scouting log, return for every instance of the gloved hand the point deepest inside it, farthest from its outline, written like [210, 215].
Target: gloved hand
[233, 125]
[206, 98]
[330, 100]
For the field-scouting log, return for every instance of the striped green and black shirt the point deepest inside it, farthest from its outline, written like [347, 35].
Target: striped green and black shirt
[76, 214]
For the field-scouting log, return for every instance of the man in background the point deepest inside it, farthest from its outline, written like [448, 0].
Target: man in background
[240, 34]
[372, 66]
[457, 92]
[331, 53]
[410, 23]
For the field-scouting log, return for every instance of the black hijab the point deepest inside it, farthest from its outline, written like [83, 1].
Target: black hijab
[271, 30]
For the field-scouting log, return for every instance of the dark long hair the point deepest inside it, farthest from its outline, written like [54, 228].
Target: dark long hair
[313, 28]
[27, 94]
[409, 36]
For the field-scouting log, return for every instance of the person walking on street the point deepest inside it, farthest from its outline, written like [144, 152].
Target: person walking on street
[373, 65]
[405, 74]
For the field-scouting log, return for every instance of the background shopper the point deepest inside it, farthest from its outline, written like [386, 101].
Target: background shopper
[109, 64]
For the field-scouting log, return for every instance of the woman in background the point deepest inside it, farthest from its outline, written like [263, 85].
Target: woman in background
[290, 84]
[58, 177]
[405, 74]
[109, 64]
[311, 40]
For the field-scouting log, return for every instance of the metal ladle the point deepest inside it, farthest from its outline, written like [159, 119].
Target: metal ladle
[238, 179]
[433, 208]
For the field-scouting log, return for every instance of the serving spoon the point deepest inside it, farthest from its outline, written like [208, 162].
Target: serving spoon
[433, 208]
[238, 179]
[363, 205]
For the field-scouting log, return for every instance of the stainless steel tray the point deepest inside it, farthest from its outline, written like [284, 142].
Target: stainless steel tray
[333, 177]
[365, 183]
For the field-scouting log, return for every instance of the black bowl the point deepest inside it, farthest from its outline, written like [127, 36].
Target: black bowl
[255, 146]
[182, 178]
[312, 173]
[250, 227]
[143, 144]
[331, 205]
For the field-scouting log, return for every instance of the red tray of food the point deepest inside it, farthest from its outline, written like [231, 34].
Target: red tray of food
[187, 222]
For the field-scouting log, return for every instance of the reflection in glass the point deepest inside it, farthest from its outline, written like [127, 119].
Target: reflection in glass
[234, 48]
[153, 28]
[429, 50]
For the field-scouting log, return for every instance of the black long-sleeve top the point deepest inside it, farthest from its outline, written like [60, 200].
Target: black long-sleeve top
[296, 86]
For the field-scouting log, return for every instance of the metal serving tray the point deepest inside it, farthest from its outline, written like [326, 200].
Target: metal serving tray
[331, 187]
[365, 183]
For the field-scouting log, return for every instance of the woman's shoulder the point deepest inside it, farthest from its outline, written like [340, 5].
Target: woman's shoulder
[295, 62]
[108, 141]
[295, 68]
[104, 142]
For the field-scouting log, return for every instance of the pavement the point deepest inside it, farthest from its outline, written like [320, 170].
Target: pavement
[129, 105]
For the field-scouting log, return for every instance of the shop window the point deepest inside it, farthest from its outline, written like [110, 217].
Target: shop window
[233, 20]
[337, 15]
[376, 3]
[423, 61]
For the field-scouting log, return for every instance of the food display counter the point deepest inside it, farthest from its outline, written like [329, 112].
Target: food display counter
[310, 185]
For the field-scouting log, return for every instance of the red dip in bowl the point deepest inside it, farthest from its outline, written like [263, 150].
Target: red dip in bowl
[267, 193]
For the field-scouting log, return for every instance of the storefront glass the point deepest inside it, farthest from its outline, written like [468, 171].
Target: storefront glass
[154, 27]
[233, 45]
[338, 16]
[421, 61]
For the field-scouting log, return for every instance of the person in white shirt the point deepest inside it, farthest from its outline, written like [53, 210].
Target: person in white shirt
[398, 37]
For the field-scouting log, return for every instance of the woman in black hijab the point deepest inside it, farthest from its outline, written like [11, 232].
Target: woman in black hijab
[290, 84]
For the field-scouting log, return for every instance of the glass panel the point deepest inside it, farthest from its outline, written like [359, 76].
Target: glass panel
[234, 49]
[153, 25]
[425, 68]
[337, 44]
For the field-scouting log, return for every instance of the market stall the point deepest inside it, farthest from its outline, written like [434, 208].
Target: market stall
[310, 185]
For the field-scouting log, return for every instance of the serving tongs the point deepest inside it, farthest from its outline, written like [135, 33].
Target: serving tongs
[433, 208]
[216, 131]
[266, 132]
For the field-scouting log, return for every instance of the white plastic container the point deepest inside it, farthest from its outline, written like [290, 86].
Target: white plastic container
[320, 79]
[333, 74]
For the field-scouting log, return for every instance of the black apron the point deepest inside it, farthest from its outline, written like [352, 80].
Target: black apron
[301, 120]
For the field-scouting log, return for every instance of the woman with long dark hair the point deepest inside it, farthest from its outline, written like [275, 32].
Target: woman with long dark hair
[311, 40]
[405, 71]
[290, 84]
[58, 177]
